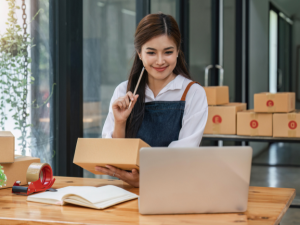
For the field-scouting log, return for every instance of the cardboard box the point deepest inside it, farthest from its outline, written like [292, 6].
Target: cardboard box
[286, 124]
[222, 119]
[279, 102]
[7, 147]
[217, 95]
[250, 123]
[17, 170]
[119, 152]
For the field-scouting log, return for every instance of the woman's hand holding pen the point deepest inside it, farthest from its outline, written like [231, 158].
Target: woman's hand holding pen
[121, 111]
[121, 108]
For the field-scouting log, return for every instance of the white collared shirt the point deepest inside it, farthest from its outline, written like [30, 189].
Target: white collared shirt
[195, 111]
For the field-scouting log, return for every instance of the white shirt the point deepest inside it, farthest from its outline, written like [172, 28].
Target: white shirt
[195, 111]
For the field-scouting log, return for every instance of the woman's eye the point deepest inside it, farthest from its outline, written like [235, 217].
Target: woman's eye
[150, 53]
[169, 53]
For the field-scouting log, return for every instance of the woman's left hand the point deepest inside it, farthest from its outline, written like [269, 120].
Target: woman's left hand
[132, 178]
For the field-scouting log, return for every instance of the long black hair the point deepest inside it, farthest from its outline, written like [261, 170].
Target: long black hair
[149, 27]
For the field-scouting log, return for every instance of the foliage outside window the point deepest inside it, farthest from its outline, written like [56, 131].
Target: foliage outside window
[15, 74]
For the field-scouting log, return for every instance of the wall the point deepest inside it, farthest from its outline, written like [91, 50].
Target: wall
[258, 55]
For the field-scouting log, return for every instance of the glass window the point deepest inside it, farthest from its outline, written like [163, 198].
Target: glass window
[38, 137]
[108, 50]
[199, 38]
[165, 6]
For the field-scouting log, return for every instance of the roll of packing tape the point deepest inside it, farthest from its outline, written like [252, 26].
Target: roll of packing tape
[39, 171]
[39, 178]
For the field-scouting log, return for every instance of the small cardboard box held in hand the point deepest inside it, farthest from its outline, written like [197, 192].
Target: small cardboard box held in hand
[122, 153]
[7, 147]
[222, 119]
[18, 170]
[250, 123]
[270, 103]
[217, 95]
[286, 124]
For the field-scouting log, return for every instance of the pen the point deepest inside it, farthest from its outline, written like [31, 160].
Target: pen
[137, 85]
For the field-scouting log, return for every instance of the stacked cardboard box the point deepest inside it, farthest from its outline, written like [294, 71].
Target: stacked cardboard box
[15, 167]
[221, 114]
[262, 121]
[286, 124]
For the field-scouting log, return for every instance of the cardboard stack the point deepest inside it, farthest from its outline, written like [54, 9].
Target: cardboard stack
[267, 117]
[14, 166]
[221, 114]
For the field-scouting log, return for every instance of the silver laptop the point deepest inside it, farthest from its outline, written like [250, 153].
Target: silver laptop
[194, 180]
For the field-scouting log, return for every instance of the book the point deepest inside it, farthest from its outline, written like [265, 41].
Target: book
[87, 196]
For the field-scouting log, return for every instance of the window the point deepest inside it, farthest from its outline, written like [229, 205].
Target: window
[108, 50]
[39, 101]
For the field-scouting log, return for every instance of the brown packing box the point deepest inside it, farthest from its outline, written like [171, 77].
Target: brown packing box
[286, 124]
[17, 170]
[119, 152]
[250, 123]
[279, 102]
[217, 95]
[7, 147]
[222, 119]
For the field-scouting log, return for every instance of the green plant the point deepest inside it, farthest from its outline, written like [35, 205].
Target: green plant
[2, 177]
[15, 75]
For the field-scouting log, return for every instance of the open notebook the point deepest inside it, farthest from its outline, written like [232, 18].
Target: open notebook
[93, 197]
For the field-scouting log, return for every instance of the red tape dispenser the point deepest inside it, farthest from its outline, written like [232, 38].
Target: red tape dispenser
[39, 178]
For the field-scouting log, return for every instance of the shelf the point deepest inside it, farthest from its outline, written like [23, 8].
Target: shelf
[223, 137]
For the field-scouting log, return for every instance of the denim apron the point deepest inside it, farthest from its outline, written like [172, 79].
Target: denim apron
[162, 121]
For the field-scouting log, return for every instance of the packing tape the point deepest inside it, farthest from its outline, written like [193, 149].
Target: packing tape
[271, 96]
[291, 116]
[253, 115]
[253, 131]
[38, 171]
[39, 178]
[291, 133]
[216, 128]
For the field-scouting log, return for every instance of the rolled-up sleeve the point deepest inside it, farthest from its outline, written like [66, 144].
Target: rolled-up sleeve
[194, 118]
[109, 124]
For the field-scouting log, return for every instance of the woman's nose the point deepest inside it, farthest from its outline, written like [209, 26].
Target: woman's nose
[160, 60]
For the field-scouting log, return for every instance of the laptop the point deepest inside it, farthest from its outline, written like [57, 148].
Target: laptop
[194, 180]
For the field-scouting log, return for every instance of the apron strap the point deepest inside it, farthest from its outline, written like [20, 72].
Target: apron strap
[187, 89]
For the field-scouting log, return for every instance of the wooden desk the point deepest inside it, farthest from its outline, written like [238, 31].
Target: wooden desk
[266, 206]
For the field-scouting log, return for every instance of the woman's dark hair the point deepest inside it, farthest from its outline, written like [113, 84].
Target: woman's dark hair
[151, 26]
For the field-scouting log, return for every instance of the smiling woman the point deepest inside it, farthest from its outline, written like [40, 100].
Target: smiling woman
[168, 110]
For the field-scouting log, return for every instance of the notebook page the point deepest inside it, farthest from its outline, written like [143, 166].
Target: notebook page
[104, 193]
[56, 197]
[91, 194]
[101, 205]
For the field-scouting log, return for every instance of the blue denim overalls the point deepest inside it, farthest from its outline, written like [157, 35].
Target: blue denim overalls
[162, 121]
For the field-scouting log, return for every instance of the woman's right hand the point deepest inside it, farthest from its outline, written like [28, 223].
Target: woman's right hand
[120, 107]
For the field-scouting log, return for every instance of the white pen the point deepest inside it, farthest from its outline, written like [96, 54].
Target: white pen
[137, 85]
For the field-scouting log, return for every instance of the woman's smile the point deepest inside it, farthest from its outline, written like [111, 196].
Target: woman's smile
[160, 69]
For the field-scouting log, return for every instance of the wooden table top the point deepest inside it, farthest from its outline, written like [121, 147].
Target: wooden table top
[265, 206]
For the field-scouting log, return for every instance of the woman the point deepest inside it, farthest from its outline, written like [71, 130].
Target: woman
[168, 108]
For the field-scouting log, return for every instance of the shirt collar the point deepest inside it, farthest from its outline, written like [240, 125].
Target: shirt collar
[174, 84]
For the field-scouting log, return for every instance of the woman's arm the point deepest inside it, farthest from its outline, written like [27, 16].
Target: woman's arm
[115, 123]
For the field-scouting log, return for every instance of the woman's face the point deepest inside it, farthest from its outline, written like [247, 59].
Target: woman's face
[159, 56]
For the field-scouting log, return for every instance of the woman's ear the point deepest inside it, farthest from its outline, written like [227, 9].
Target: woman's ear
[139, 56]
